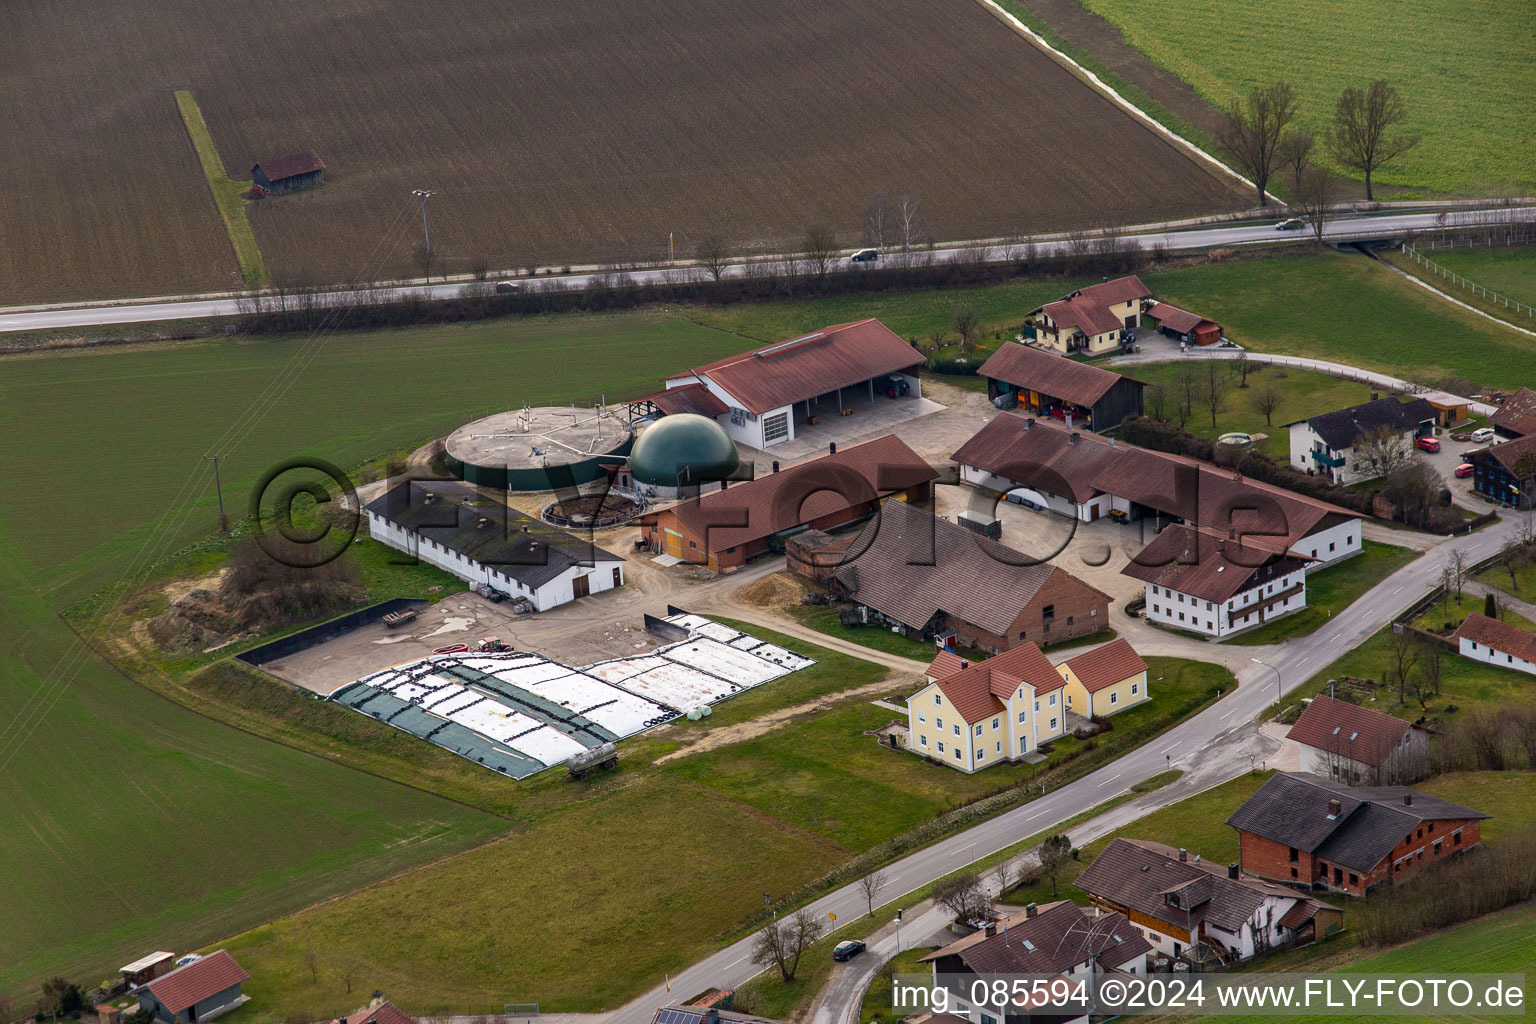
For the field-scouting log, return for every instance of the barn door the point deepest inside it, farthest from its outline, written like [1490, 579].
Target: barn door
[581, 586]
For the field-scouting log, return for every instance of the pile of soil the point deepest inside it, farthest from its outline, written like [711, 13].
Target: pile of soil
[776, 592]
[195, 621]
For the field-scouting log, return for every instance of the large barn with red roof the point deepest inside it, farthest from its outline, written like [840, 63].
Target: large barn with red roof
[764, 394]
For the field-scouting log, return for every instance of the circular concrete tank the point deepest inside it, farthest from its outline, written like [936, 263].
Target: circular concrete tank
[541, 449]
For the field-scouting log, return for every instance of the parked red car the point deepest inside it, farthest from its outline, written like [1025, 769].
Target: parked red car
[1428, 444]
[1465, 469]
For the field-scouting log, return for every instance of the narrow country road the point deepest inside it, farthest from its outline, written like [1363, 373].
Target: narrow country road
[1342, 228]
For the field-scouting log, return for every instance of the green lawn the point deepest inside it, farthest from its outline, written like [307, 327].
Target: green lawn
[1465, 87]
[226, 192]
[876, 1005]
[1301, 393]
[1331, 590]
[1523, 586]
[823, 619]
[1509, 796]
[1451, 612]
[1197, 823]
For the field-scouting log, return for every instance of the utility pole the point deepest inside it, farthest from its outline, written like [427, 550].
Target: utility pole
[426, 229]
[219, 487]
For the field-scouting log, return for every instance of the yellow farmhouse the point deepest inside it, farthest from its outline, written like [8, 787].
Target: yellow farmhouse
[972, 715]
[1091, 320]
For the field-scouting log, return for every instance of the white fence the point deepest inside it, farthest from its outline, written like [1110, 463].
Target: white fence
[1445, 274]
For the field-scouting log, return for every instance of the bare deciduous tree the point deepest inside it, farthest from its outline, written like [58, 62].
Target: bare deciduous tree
[714, 255]
[1157, 401]
[1458, 567]
[909, 219]
[965, 322]
[1214, 391]
[312, 961]
[1295, 151]
[870, 885]
[1054, 854]
[1363, 136]
[1242, 366]
[782, 943]
[1251, 131]
[1315, 196]
[878, 219]
[1402, 655]
[963, 896]
[1382, 452]
[1187, 391]
[1266, 400]
[820, 246]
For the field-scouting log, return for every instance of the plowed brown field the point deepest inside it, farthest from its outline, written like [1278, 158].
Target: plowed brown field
[561, 132]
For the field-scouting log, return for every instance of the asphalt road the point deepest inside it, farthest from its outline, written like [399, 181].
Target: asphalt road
[32, 318]
[1212, 735]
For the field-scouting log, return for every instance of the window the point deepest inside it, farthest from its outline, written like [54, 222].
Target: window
[1037, 705]
[956, 727]
[1295, 855]
[1114, 698]
[922, 716]
[978, 728]
[1156, 610]
[941, 746]
[958, 756]
[694, 545]
[938, 700]
[1135, 689]
[1048, 613]
[775, 427]
[922, 739]
[1021, 634]
[1023, 744]
[938, 723]
[981, 753]
[1330, 545]
[998, 746]
[1354, 879]
[1053, 700]
[996, 722]
[1021, 715]
[1069, 620]
[1053, 725]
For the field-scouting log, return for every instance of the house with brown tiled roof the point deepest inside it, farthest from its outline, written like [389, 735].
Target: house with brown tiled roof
[927, 576]
[1307, 830]
[1059, 939]
[1516, 417]
[1207, 584]
[1182, 324]
[199, 991]
[1187, 907]
[1498, 643]
[1105, 680]
[972, 715]
[1506, 472]
[767, 392]
[725, 529]
[1092, 319]
[1356, 745]
[1049, 384]
[380, 1012]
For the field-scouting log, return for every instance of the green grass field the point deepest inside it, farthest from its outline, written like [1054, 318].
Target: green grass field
[226, 192]
[1331, 590]
[1464, 87]
[1510, 270]
[1450, 612]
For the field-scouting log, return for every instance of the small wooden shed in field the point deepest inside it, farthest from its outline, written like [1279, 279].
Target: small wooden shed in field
[289, 173]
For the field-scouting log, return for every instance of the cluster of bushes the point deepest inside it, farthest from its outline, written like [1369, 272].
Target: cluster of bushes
[1480, 881]
[1487, 741]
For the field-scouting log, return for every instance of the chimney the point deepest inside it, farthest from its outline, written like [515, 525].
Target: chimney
[1231, 870]
[964, 664]
[1073, 438]
[832, 448]
[1375, 395]
[1030, 910]
[711, 1016]
[775, 465]
[525, 527]
[1029, 422]
[724, 484]
[1183, 855]
[1407, 799]
[1334, 808]
[991, 927]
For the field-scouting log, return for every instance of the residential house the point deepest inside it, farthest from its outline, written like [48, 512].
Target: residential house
[1498, 643]
[1056, 940]
[1516, 416]
[1331, 444]
[769, 392]
[1183, 325]
[1214, 586]
[1307, 830]
[1105, 680]
[972, 715]
[1092, 319]
[452, 526]
[1198, 910]
[927, 576]
[1049, 384]
[1087, 476]
[1355, 745]
[203, 989]
[725, 529]
[1506, 472]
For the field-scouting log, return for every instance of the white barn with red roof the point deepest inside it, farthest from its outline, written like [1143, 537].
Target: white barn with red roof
[769, 390]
